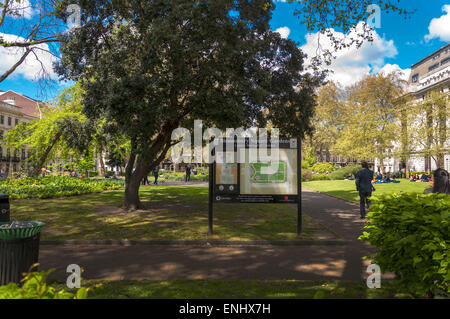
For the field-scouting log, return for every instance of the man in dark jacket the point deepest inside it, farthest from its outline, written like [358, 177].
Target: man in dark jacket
[364, 187]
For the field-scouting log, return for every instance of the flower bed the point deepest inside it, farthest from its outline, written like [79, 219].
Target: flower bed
[53, 186]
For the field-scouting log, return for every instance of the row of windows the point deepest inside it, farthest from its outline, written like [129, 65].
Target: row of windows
[446, 60]
[2, 120]
[5, 169]
[16, 153]
[433, 67]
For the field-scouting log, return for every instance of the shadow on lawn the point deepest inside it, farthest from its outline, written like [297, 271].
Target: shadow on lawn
[172, 213]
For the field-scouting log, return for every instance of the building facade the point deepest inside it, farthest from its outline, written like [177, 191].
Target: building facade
[430, 73]
[14, 109]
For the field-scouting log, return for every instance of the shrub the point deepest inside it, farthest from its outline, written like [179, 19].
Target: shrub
[54, 186]
[35, 287]
[320, 177]
[321, 168]
[306, 175]
[412, 236]
[342, 173]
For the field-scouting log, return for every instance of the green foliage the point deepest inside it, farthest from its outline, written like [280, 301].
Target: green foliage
[323, 168]
[320, 177]
[412, 236]
[35, 287]
[309, 158]
[343, 172]
[53, 186]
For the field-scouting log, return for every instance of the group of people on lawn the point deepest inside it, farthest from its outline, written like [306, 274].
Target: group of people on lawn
[424, 178]
[364, 184]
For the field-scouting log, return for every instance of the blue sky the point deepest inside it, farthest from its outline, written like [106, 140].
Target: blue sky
[399, 43]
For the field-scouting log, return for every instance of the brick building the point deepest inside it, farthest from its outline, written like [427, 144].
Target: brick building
[14, 109]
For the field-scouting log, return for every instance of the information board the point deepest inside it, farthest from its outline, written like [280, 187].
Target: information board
[256, 173]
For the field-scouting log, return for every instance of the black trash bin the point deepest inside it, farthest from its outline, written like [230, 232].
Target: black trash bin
[4, 208]
[19, 249]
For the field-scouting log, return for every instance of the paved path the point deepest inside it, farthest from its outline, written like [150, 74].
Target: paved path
[228, 262]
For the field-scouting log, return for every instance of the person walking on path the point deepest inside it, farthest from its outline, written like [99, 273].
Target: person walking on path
[145, 180]
[156, 173]
[364, 187]
[188, 173]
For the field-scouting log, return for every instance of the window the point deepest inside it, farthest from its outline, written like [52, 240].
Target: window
[445, 61]
[436, 56]
[16, 122]
[415, 78]
[9, 121]
[2, 119]
[433, 67]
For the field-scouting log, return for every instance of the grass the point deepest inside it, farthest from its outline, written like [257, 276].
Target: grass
[347, 189]
[173, 213]
[234, 289]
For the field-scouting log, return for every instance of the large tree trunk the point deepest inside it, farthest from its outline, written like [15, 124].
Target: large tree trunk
[140, 166]
[131, 200]
[102, 170]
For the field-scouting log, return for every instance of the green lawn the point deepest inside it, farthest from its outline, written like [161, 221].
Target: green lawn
[234, 289]
[173, 213]
[347, 189]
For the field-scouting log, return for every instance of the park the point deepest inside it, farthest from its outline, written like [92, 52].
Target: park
[305, 183]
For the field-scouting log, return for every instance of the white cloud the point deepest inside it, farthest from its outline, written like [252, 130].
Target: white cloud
[395, 68]
[21, 9]
[352, 64]
[284, 32]
[440, 27]
[31, 67]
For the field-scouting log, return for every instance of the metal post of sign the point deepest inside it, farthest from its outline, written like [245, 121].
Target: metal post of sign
[299, 187]
[211, 198]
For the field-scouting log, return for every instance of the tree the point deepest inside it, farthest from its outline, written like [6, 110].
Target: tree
[63, 132]
[329, 118]
[44, 137]
[36, 31]
[370, 127]
[151, 67]
[430, 129]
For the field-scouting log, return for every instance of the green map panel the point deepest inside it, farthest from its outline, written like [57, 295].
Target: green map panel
[279, 177]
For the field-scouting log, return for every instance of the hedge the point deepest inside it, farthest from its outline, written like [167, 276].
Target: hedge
[54, 186]
[322, 168]
[412, 235]
[343, 173]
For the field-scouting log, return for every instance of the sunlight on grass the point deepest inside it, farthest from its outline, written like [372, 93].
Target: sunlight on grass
[347, 189]
[173, 213]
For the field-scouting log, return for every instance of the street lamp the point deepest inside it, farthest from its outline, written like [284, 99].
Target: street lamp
[447, 165]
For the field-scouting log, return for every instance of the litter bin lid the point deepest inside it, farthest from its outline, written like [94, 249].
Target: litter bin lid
[4, 196]
[20, 230]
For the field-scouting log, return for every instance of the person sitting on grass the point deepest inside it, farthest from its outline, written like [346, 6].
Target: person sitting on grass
[424, 178]
[379, 177]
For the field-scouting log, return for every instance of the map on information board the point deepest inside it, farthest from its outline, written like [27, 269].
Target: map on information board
[268, 177]
[262, 173]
